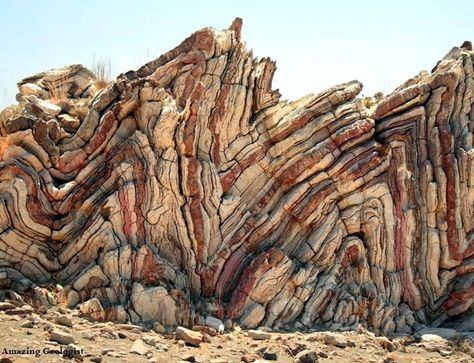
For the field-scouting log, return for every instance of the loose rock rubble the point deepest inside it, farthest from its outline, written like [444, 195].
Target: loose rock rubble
[90, 341]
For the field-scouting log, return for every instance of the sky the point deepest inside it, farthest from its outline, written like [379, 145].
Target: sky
[317, 44]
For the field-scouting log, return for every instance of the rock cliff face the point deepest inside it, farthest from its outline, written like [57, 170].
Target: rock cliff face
[188, 189]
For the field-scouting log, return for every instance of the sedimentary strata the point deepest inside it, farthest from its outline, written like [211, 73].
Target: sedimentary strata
[188, 189]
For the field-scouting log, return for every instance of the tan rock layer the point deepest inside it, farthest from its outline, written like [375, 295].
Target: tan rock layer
[188, 188]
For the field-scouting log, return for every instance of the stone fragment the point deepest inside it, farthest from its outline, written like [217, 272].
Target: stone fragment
[69, 122]
[259, 335]
[306, 356]
[32, 89]
[189, 336]
[189, 358]
[23, 310]
[46, 106]
[150, 339]
[74, 352]
[249, 358]
[93, 309]
[27, 324]
[215, 323]
[296, 348]
[63, 320]
[61, 337]
[157, 327]
[139, 347]
[434, 333]
[205, 329]
[385, 343]
[73, 299]
[338, 340]
[6, 306]
[270, 354]
[228, 324]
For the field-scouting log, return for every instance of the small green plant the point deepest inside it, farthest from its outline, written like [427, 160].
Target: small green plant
[378, 96]
[370, 102]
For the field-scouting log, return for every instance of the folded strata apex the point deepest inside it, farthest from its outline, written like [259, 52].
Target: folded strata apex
[187, 189]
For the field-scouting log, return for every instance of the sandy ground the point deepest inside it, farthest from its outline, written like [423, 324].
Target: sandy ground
[24, 334]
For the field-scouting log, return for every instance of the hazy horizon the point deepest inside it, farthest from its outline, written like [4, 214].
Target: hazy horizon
[316, 45]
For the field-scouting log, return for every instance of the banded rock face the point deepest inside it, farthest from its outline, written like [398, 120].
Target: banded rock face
[187, 189]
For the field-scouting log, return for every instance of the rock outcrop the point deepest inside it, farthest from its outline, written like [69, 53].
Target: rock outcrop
[187, 189]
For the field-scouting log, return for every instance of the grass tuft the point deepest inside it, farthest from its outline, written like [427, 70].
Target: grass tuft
[101, 70]
[57, 91]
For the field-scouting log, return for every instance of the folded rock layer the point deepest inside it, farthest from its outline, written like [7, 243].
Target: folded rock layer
[188, 189]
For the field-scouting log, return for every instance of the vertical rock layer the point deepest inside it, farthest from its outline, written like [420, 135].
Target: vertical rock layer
[189, 188]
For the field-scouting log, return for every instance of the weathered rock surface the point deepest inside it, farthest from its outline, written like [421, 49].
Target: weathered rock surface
[188, 189]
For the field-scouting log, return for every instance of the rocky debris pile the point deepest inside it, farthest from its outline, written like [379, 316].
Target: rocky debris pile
[52, 105]
[187, 191]
[60, 334]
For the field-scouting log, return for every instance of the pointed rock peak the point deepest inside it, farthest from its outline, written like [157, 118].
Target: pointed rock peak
[236, 26]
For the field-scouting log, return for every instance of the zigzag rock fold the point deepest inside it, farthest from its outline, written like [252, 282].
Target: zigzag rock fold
[188, 189]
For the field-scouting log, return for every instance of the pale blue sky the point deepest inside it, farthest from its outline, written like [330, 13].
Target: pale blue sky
[316, 44]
